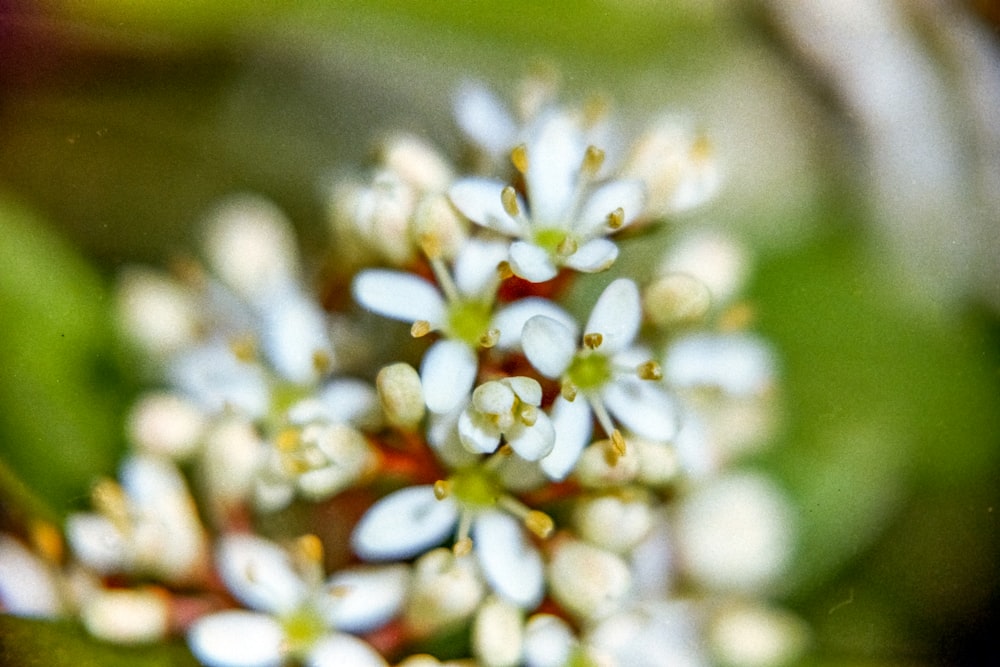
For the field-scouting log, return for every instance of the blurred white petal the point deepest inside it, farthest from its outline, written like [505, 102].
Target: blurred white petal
[403, 524]
[237, 638]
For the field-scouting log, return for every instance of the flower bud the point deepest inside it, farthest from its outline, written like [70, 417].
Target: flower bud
[166, 424]
[587, 581]
[446, 590]
[126, 616]
[616, 522]
[401, 395]
[498, 634]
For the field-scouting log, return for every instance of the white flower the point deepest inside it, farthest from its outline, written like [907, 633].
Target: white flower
[569, 211]
[461, 307]
[472, 505]
[611, 374]
[507, 408]
[28, 585]
[147, 525]
[292, 610]
[739, 364]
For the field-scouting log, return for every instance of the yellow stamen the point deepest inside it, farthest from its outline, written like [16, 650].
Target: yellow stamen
[592, 341]
[567, 390]
[463, 546]
[528, 414]
[420, 328]
[321, 361]
[287, 440]
[310, 548]
[519, 156]
[243, 348]
[616, 218]
[650, 371]
[508, 197]
[618, 442]
[504, 270]
[567, 247]
[442, 489]
[47, 541]
[592, 160]
[539, 523]
[490, 338]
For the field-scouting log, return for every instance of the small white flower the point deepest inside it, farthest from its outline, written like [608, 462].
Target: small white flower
[126, 616]
[612, 375]
[507, 408]
[28, 585]
[293, 611]
[569, 211]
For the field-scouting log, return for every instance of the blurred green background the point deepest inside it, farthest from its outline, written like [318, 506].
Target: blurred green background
[122, 122]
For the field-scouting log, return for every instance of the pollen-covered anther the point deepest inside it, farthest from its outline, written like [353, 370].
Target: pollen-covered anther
[528, 414]
[592, 160]
[701, 149]
[618, 443]
[420, 328]
[519, 157]
[539, 523]
[463, 547]
[309, 548]
[567, 389]
[592, 341]
[567, 247]
[431, 246]
[508, 197]
[321, 361]
[442, 489]
[243, 348]
[47, 541]
[616, 218]
[109, 499]
[490, 338]
[288, 440]
[504, 271]
[650, 370]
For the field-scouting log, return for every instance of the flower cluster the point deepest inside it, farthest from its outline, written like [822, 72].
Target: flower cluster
[425, 451]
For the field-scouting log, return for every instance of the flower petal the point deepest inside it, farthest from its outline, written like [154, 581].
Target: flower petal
[510, 320]
[593, 256]
[476, 266]
[531, 262]
[643, 407]
[484, 119]
[738, 364]
[573, 424]
[629, 195]
[555, 147]
[447, 373]
[338, 649]
[293, 330]
[259, 573]
[548, 641]
[364, 598]
[549, 345]
[399, 296]
[403, 524]
[616, 315]
[510, 563]
[535, 441]
[98, 543]
[237, 638]
[27, 585]
[479, 200]
[477, 432]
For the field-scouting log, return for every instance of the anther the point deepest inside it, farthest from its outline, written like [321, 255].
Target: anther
[442, 489]
[592, 160]
[243, 348]
[430, 245]
[508, 197]
[490, 338]
[567, 247]
[650, 371]
[504, 270]
[519, 156]
[47, 541]
[618, 442]
[528, 414]
[567, 390]
[616, 218]
[321, 361]
[310, 548]
[539, 523]
[462, 547]
[592, 341]
[420, 328]
[287, 440]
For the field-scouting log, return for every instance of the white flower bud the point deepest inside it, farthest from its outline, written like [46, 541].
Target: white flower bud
[446, 590]
[230, 458]
[28, 586]
[417, 163]
[401, 395]
[156, 313]
[348, 458]
[613, 522]
[713, 259]
[658, 463]
[548, 641]
[498, 633]
[597, 468]
[752, 635]
[436, 218]
[126, 616]
[166, 424]
[587, 581]
[676, 299]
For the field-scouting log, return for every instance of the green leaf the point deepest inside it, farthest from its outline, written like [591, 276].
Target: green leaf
[59, 427]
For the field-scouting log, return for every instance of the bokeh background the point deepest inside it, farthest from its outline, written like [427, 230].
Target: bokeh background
[860, 142]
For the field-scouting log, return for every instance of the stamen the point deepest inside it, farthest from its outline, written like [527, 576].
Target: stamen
[528, 414]
[616, 218]
[701, 149]
[243, 348]
[420, 328]
[288, 440]
[650, 371]
[309, 548]
[504, 271]
[463, 543]
[109, 499]
[592, 161]
[539, 523]
[519, 156]
[490, 338]
[430, 245]
[618, 442]
[592, 341]
[463, 546]
[444, 279]
[508, 197]
[47, 541]
[321, 361]
[442, 489]
[567, 390]
[567, 246]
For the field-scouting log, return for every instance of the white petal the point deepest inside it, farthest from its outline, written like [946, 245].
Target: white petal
[495, 398]
[150, 481]
[98, 543]
[484, 119]
[259, 573]
[527, 389]
[403, 524]
[293, 331]
[400, 296]
[549, 345]
[510, 563]
[629, 195]
[27, 586]
[555, 152]
[593, 256]
[531, 262]
[236, 639]
[478, 433]
[479, 200]
[346, 400]
[340, 650]
[476, 265]
[447, 373]
[364, 598]
[216, 380]
[548, 641]
[643, 407]
[573, 424]
[510, 319]
[738, 364]
[535, 441]
[616, 315]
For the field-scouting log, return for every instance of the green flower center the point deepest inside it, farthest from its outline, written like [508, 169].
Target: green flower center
[303, 628]
[589, 370]
[475, 488]
[550, 238]
[468, 321]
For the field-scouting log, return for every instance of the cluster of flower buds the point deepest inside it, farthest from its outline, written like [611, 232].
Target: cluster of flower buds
[444, 446]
